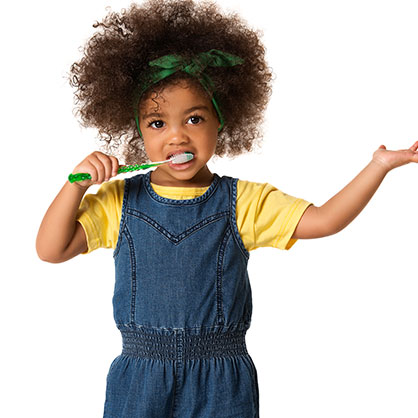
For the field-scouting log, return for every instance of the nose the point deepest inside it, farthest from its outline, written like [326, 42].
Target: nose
[177, 135]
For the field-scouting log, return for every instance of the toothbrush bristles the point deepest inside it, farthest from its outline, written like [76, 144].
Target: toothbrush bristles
[182, 158]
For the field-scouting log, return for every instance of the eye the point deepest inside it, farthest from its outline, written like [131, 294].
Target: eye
[195, 119]
[158, 124]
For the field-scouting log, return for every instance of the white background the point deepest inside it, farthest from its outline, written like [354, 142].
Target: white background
[334, 331]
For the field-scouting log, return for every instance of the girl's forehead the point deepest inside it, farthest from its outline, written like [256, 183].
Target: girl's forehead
[175, 96]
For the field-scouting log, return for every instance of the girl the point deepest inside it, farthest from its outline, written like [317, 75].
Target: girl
[158, 79]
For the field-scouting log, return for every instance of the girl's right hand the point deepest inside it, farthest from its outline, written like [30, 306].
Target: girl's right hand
[101, 167]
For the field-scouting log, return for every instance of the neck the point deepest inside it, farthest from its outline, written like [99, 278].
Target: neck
[203, 178]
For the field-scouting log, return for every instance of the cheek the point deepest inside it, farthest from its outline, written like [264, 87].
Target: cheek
[214, 143]
[210, 145]
[149, 147]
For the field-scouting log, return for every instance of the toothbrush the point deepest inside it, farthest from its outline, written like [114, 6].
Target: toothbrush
[175, 159]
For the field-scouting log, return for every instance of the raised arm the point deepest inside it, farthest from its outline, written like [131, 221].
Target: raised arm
[342, 208]
[60, 236]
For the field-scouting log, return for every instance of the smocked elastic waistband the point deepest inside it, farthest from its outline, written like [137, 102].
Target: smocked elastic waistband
[181, 346]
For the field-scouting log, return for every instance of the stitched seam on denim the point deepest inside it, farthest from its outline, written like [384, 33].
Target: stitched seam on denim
[219, 273]
[179, 338]
[123, 216]
[174, 403]
[133, 273]
[178, 369]
[174, 202]
[241, 325]
[232, 202]
[176, 239]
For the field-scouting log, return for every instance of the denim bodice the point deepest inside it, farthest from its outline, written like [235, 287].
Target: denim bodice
[181, 263]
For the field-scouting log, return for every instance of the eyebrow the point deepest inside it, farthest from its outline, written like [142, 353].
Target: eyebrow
[192, 109]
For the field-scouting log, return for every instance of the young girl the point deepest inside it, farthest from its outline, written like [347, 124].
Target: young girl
[159, 79]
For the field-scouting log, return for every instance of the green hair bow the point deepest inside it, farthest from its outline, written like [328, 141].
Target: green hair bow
[169, 64]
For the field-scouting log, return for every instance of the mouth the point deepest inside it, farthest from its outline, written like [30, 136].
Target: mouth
[180, 166]
[177, 153]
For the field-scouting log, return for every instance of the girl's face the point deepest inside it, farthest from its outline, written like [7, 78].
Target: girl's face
[180, 119]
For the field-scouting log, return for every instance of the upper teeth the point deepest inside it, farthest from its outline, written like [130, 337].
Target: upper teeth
[178, 153]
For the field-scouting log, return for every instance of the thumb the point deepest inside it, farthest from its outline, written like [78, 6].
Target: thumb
[382, 147]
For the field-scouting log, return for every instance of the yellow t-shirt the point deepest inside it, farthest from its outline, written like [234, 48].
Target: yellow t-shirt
[266, 217]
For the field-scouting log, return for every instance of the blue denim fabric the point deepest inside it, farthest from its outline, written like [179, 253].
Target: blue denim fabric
[183, 304]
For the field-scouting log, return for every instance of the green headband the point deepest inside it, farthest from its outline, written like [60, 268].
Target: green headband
[170, 64]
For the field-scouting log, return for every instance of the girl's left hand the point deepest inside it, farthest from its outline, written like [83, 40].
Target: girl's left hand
[392, 159]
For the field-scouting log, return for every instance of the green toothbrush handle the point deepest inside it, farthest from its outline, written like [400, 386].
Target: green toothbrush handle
[122, 169]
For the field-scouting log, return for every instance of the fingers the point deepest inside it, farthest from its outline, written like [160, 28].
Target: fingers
[115, 165]
[414, 147]
[104, 167]
[101, 167]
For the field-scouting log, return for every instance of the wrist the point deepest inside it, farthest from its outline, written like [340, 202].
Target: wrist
[77, 187]
[380, 165]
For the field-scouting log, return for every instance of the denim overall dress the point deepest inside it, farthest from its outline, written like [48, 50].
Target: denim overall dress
[182, 302]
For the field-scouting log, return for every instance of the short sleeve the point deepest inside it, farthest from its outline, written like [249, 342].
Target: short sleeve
[99, 214]
[267, 217]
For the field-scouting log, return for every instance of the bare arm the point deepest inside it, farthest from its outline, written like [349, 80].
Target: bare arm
[60, 236]
[341, 209]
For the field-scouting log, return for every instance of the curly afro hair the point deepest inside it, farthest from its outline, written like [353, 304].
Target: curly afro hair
[116, 57]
